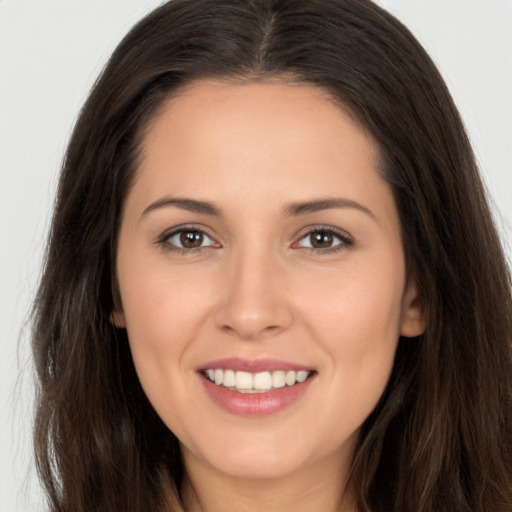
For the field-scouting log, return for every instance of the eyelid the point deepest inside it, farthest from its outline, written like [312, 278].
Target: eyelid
[346, 240]
[164, 238]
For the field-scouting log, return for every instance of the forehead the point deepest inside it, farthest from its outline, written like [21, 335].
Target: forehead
[250, 103]
[275, 126]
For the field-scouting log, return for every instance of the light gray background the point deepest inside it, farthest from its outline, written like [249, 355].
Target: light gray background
[50, 54]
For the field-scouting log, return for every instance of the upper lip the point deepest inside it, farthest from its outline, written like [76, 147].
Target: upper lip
[253, 365]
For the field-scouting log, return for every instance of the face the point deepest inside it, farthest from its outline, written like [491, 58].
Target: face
[262, 277]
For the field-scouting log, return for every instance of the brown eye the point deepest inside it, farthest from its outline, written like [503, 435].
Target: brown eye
[187, 239]
[324, 239]
[191, 239]
[321, 239]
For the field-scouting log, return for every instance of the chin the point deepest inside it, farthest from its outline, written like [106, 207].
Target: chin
[264, 466]
[256, 457]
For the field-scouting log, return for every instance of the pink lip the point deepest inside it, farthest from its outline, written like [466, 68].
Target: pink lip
[254, 404]
[253, 365]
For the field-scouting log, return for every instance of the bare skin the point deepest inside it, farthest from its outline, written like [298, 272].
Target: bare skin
[300, 492]
[259, 228]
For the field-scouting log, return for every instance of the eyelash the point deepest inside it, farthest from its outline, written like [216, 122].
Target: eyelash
[164, 240]
[345, 241]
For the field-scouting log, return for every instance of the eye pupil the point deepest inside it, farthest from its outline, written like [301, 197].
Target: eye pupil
[321, 239]
[191, 239]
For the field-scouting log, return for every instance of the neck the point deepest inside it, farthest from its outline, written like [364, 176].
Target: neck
[311, 488]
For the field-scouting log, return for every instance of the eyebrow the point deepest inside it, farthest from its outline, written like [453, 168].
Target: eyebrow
[290, 210]
[318, 205]
[191, 205]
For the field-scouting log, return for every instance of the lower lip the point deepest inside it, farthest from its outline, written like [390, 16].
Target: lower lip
[255, 404]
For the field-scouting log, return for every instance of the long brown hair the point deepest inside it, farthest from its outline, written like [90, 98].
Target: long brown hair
[440, 438]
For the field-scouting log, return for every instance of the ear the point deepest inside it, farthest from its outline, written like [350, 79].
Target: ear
[117, 319]
[413, 311]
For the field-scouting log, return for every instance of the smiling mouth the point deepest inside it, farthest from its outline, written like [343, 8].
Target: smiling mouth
[260, 382]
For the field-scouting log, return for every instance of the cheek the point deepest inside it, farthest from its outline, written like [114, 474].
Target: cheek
[159, 303]
[360, 303]
[162, 311]
[162, 320]
[356, 320]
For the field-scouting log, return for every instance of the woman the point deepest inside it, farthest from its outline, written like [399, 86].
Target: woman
[273, 280]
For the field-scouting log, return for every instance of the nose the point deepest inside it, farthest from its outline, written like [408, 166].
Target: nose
[254, 302]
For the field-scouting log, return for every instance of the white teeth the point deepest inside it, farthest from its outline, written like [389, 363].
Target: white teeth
[290, 378]
[302, 376]
[219, 377]
[262, 381]
[229, 378]
[279, 379]
[246, 382]
[243, 380]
